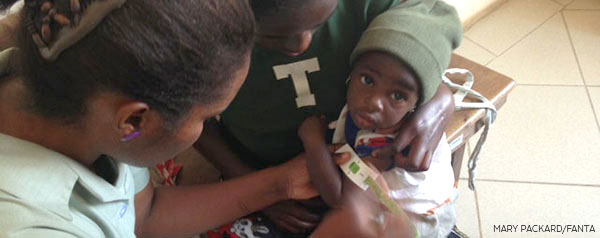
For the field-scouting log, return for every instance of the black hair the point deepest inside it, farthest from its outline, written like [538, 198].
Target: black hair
[264, 8]
[168, 54]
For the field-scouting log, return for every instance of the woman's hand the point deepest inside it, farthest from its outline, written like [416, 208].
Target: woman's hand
[296, 180]
[363, 216]
[291, 215]
[421, 132]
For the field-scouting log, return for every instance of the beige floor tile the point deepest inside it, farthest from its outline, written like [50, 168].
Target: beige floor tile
[595, 94]
[543, 134]
[472, 51]
[584, 27]
[466, 211]
[511, 22]
[536, 204]
[563, 2]
[584, 4]
[543, 57]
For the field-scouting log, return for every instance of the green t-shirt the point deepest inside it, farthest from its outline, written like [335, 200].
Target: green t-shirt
[281, 91]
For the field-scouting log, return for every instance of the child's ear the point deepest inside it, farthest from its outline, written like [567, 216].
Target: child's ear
[131, 118]
[348, 80]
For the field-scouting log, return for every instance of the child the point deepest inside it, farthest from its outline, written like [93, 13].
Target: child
[396, 66]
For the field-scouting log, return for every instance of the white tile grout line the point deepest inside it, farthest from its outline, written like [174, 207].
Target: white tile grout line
[477, 44]
[581, 10]
[552, 85]
[479, 226]
[529, 33]
[521, 182]
[474, 192]
[536, 183]
[478, 213]
[561, 2]
[580, 71]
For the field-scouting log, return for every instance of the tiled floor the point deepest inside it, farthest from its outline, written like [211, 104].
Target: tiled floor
[541, 163]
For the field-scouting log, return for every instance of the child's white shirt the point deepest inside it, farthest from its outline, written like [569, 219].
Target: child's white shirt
[417, 192]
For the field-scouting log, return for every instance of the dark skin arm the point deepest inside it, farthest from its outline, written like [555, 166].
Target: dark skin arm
[290, 215]
[212, 145]
[323, 171]
[186, 210]
[354, 217]
[422, 131]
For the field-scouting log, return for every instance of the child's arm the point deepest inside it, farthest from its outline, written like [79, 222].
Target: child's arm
[361, 215]
[323, 171]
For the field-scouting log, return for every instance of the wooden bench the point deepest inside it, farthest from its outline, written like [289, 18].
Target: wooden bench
[466, 123]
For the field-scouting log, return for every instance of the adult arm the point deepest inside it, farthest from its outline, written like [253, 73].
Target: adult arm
[289, 215]
[215, 149]
[186, 210]
[361, 215]
[422, 132]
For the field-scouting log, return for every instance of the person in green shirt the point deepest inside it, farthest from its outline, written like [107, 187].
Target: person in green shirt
[299, 68]
[97, 87]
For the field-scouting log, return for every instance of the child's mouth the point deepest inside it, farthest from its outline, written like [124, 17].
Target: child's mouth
[364, 121]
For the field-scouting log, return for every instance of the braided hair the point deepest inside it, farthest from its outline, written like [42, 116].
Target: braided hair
[168, 54]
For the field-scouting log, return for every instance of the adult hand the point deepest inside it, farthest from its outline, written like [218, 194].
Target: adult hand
[363, 216]
[420, 132]
[291, 215]
[297, 181]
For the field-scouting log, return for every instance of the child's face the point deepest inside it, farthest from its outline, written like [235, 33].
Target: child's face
[290, 30]
[382, 90]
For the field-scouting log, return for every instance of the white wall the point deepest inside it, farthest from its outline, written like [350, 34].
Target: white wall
[470, 10]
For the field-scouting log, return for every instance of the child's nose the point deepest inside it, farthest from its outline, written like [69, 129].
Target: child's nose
[375, 103]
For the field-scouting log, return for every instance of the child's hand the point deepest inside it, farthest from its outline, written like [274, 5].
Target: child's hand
[312, 127]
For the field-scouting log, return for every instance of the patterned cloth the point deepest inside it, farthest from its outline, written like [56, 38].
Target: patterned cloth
[254, 226]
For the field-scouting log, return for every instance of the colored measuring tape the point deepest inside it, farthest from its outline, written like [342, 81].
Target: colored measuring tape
[364, 177]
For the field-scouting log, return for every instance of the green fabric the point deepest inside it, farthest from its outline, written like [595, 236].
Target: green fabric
[263, 119]
[46, 194]
[421, 36]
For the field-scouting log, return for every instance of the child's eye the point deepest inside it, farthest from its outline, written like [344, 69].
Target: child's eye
[398, 96]
[366, 80]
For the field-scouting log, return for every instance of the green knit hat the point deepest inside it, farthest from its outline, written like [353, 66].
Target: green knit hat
[422, 36]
